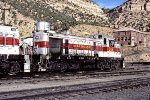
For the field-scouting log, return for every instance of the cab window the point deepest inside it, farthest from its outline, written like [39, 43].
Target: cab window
[105, 41]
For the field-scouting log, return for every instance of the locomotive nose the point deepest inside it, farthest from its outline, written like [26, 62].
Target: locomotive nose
[41, 38]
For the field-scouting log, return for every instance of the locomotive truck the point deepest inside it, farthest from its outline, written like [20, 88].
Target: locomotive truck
[51, 51]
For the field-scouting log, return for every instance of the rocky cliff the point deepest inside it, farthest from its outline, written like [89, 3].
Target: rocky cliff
[61, 13]
[81, 10]
[133, 13]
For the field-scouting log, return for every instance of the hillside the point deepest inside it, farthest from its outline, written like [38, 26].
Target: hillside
[84, 29]
[133, 13]
[60, 13]
[82, 10]
[63, 14]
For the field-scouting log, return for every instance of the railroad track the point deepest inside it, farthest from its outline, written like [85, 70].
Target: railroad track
[65, 92]
[80, 74]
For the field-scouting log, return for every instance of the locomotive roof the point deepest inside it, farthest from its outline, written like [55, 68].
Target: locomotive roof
[70, 36]
[95, 37]
[83, 38]
[101, 36]
[8, 28]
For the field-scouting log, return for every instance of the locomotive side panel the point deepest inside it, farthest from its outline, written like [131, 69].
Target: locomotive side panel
[78, 46]
[55, 47]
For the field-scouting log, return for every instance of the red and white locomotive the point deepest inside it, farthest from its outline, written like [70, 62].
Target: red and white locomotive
[50, 51]
[10, 58]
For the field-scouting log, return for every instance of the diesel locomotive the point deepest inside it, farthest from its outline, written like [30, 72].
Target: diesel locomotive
[49, 51]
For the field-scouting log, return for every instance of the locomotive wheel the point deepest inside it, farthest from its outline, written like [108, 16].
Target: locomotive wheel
[51, 67]
[34, 67]
[74, 66]
[14, 68]
[107, 65]
[117, 64]
[113, 66]
[5, 67]
[100, 65]
[63, 67]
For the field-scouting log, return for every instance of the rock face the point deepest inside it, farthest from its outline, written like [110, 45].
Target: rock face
[61, 13]
[82, 10]
[133, 13]
[84, 29]
[137, 5]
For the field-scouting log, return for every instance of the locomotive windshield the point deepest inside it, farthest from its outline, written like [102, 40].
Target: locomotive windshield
[111, 43]
[13, 29]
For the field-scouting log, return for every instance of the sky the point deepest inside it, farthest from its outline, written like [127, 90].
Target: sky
[109, 3]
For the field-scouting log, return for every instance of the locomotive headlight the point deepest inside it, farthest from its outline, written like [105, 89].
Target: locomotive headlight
[36, 37]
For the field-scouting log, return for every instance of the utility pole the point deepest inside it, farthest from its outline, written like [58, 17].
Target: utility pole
[4, 15]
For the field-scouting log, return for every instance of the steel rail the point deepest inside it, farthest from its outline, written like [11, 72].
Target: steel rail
[83, 73]
[76, 89]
